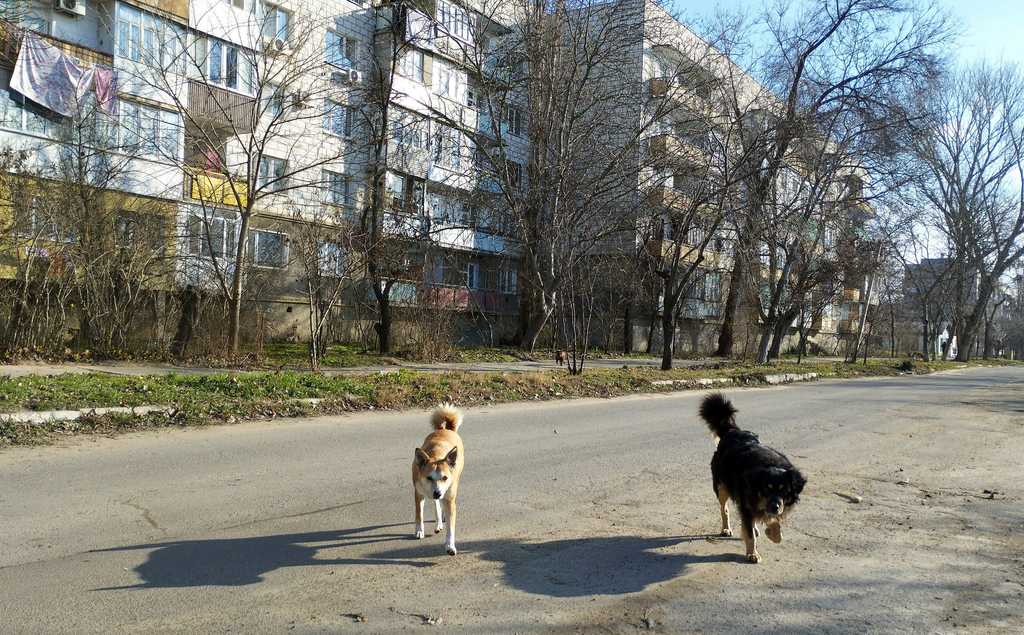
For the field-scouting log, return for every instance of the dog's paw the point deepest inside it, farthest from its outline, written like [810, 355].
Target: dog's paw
[753, 558]
[774, 533]
[726, 532]
[419, 534]
[438, 529]
[451, 550]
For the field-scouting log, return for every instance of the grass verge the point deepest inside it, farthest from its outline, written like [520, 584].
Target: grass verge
[229, 398]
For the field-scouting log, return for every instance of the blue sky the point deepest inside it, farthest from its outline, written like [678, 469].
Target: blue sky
[994, 29]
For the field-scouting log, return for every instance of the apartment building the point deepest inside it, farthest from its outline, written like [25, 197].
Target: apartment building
[245, 116]
[690, 92]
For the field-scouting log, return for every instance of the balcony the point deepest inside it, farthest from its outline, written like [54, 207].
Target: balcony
[220, 106]
[10, 43]
[667, 149]
[668, 198]
[694, 99]
[465, 299]
[213, 188]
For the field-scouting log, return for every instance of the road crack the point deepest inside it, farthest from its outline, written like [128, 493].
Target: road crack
[146, 515]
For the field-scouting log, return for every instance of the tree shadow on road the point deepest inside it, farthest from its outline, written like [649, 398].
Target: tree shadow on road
[609, 565]
[242, 561]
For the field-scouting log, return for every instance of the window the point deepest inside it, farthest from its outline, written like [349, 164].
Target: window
[471, 275]
[447, 146]
[473, 98]
[331, 259]
[515, 121]
[447, 80]
[339, 188]
[455, 20]
[269, 249]
[152, 132]
[224, 64]
[411, 65]
[18, 113]
[272, 174]
[404, 194]
[273, 100]
[508, 281]
[411, 130]
[339, 50]
[713, 286]
[275, 22]
[143, 37]
[211, 235]
[238, 4]
[515, 175]
[394, 187]
[338, 119]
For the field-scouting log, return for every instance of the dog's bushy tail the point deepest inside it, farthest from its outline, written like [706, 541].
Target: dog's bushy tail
[718, 412]
[446, 417]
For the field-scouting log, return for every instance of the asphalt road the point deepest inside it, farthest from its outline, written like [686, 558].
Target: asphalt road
[589, 516]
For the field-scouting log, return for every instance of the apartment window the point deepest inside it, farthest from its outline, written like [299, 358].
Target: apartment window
[338, 119]
[224, 64]
[269, 249]
[471, 275]
[339, 188]
[272, 174]
[331, 259]
[455, 20]
[275, 22]
[508, 281]
[143, 37]
[447, 80]
[212, 236]
[515, 175]
[405, 194]
[713, 286]
[411, 65]
[273, 100]
[339, 50]
[515, 121]
[473, 99]
[24, 114]
[411, 130]
[238, 4]
[152, 132]
[447, 146]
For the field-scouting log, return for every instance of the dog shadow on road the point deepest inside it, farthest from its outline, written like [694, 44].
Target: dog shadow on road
[609, 565]
[242, 561]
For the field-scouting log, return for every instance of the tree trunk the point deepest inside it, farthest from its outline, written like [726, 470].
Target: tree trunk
[235, 317]
[668, 332]
[727, 335]
[764, 342]
[627, 329]
[383, 326]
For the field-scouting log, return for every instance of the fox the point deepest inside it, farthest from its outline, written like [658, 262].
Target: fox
[436, 468]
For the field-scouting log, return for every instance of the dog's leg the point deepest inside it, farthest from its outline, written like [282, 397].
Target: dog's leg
[723, 501]
[749, 536]
[419, 516]
[773, 529]
[449, 512]
[440, 518]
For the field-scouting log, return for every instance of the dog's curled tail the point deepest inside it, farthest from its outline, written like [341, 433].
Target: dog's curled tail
[446, 417]
[717, 412]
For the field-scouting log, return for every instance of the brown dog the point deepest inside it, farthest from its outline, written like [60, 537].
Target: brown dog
[436, 468]
[561, 357]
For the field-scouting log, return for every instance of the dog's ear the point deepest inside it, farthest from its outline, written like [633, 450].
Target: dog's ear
[452, 457]
[796, 482]
[421, 457]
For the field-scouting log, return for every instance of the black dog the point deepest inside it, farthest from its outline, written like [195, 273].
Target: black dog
[762, 481]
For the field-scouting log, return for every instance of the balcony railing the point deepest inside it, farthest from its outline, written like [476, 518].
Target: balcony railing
[219, 105]
[10, 43]
[667, 149]
[213, 188]
[465, 299]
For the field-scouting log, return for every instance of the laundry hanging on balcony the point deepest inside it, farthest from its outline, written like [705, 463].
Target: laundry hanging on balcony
[49, 77]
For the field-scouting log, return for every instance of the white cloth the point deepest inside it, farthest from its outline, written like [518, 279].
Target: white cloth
[47, 76]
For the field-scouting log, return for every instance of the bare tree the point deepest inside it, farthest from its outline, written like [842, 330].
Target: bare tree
[834, 66]
[972, 152]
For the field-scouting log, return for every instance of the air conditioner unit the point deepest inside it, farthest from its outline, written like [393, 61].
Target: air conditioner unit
[345, 76]
[71, 7]
[275, 46]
